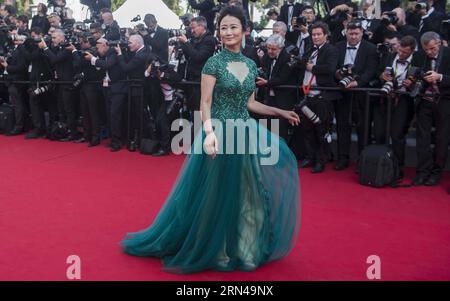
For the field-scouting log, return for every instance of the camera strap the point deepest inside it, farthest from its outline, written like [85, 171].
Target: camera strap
[308, 87]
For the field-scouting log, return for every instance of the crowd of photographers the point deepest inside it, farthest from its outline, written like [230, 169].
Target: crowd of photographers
[121, 80]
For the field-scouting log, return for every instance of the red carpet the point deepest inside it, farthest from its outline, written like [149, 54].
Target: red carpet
[59, 199]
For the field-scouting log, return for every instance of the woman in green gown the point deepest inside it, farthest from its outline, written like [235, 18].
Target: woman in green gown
[231, 207]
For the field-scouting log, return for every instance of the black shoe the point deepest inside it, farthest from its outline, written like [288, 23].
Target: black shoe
[15, 131]
[341, 164]
[319, 167]
[35, 134]
[306, 163]
[94, 142]
[433, 180]
[419, 180]
[160, 152]
[401, 175]
[115, 147]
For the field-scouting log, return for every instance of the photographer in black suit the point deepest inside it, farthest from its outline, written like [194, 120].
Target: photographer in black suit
[90, 93]
[289, 10]
[394, 73]
[277, 72]
[110, 27]
[425, 17]
[114, 89]
[197, 51]
[317, 69]
[134, 68]
[62, 61]
[432, 108]
[41, 96]
[157, 38]
[16, 69]
[394, 21]
[206, 11]
[357, 66]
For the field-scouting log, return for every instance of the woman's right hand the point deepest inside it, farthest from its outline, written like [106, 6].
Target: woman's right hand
[210, 145]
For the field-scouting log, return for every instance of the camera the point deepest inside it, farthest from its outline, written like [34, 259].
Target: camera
[303, 108]
[384, 48]
[389, 85]
[78, 79]
[135, 19]
[39, 90]
[300, 21]
[420, 6]
[358, 16]
[176, 32]
[260, 44]
[416, 75]
[391, 18]
[346, 72]
[177, 103]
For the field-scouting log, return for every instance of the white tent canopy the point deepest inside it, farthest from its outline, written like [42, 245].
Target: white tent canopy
[131, 8]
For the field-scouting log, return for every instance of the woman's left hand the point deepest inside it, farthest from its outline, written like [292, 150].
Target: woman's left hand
[291, 116]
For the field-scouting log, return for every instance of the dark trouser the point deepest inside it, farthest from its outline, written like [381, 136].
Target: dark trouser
[38, 105]
[18, 101]
[135, 112]
[115, 106]
[284, 126]
[163, 127]
[402, 111]
[347, 111]
[317, 147]
[67, 106]
[90, 99]
[427, 112]
[193, 99]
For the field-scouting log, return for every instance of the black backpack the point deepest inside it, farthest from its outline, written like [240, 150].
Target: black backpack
[378, 166]
[7, 119]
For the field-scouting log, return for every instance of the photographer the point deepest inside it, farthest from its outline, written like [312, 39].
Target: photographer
[337, 20]
[90, 93]
[114, 89]
[15, 66]
[206, 11]
[41, 96]
[278, 72]
[156, 38]
[197, 50]
[110, 27]
[301, 35]
[134, 68]
[357, 66]
[96, 31]
[319, 65]
[432, 107]
[395, 72]
[62, 61]
[394, 21]
[288, 11]
[54, 20]
[40, 19]
[425, 17]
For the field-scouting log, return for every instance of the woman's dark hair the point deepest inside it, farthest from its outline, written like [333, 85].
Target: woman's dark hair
[43, 8]
[233, 11]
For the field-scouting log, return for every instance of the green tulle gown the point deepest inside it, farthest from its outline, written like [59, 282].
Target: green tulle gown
[233, 212]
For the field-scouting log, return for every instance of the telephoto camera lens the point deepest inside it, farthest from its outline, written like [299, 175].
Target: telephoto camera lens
[387, 87]
[345, 81]
[307, 112]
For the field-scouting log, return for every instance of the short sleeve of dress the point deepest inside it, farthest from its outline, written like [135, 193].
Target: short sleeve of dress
[210, 67]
